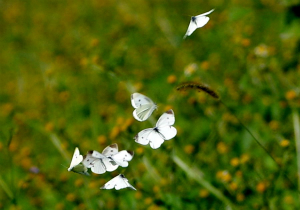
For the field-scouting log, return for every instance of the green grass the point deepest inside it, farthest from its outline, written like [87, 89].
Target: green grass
[68, 69]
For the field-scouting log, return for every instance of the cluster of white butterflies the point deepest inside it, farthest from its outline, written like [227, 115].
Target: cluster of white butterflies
[197, 22]
[110, 158]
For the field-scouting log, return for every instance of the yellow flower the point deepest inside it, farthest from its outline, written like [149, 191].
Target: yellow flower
[203, 193]
[239, 174]
[78, 182]
[94, 42]
[204, 65]
[171, 79]
[148, 201]
[139, 150]
[138, 195]
[224, 176]
[240, 197]
[222, 148]
[274, 125]
[235, 161]
[154, 207]
[49, 127]
[244, 158]
[290, 95]
[285, 143]
[64, 96]
[6, 109]
[245, 42]
[156, 189]
[101, 139]
[115, 132]
[233, 186]
[288, 199]
[189, 149]
[71, 197]
[84, 62]
[261, 187]
[59, 206]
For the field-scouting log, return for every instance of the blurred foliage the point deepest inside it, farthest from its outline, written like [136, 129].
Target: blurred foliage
[68, 68]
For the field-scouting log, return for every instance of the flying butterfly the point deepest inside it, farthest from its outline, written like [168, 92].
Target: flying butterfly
[143, 105]
[76, 163]
[118, 182]
[161, 132]
[197, 22]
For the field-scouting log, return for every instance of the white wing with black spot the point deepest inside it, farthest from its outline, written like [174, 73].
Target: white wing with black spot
[118, 182]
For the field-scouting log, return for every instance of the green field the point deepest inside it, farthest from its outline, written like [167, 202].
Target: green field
[67, 72]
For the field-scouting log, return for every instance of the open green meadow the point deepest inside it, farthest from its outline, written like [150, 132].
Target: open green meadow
[67, 72]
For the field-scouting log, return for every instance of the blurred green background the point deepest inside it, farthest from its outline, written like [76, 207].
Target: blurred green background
[68, 68]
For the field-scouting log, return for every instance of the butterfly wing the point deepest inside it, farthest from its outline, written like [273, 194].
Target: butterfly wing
[118, 182]
[167, 132]
[88, 159]
[96, 154]
[201, 21]
[143, 112]
[155, 139]
[144, 106]
[142, 136]
[109, 164]
[192, 27]
[110, 150]
[206, 13]
[167, 118]
[122, 158]
[76, 159]
[98, 167]
[138, 100]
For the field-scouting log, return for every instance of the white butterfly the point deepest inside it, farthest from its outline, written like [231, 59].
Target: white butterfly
[161, 132]
[197, 22]
[76, 163]
[118, 182]
[143, 105]
[109, 160]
